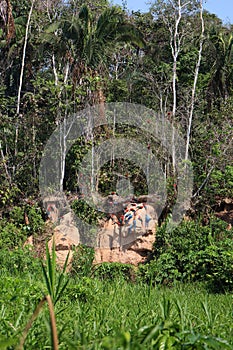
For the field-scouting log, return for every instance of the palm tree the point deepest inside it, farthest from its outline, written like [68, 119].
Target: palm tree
[221, 74]
[88, 43]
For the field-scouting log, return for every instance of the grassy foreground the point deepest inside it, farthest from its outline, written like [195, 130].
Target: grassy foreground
[94, 314]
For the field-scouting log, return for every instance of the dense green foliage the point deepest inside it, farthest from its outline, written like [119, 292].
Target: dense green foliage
[108, 314]
[57, 58]
[113, 305]
[20, 223]
[112, 271]
[93, 314]
[81, 53]
[82, 261]
[192, 252]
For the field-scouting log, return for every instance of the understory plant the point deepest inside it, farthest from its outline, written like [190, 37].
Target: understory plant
[192, 252]
[56, 283]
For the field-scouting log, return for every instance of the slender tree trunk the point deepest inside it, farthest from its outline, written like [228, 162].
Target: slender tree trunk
[175, 47]
[21, 78]
[195, 81]
[55, 70]
[64, 134]
[92, 162]
[62, 154]
[34, 145]
[10, 23]
[64, 128]
[8, 176]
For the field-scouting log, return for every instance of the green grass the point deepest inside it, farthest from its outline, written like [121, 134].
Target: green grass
[93, 314]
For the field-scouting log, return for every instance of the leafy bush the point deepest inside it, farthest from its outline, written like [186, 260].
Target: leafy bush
[112, 271]
[34, 216]
[82, 260]
[19, 261]
[11, 236]
[221, 181]
[192, 252]
[14, 230]
[83, 291]
[86, 213]
[8, 196]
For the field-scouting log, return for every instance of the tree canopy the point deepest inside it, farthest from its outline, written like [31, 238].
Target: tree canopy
[60, 56]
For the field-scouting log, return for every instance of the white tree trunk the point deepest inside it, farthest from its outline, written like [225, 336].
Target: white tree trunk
[21, 77]
[195, 82]
[5, 165]
[175, 44]
[175, 47]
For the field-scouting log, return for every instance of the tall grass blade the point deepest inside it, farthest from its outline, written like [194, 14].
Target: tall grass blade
[60, 288]
[29, 324]
[51, 266]
[52, 322]
[165, 308]
[4, 344]
[47, 282]
[153, 333]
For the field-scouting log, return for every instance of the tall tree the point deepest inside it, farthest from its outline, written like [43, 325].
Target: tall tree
[221, 74]
[87, 46]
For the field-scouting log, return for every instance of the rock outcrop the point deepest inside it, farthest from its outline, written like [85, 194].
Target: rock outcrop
[224, 210]
[65, 237]
[126, 235]
[134, 253]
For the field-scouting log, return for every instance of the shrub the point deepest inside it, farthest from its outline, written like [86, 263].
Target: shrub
[14, 230]
[86, 213]
[19, 261]
[83, 291]
[11, 236]
[113, 271]
[192, 252]
[34, 214]
[82, 261]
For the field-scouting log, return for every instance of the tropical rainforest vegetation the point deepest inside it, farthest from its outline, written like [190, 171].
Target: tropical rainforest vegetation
[56, 59]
